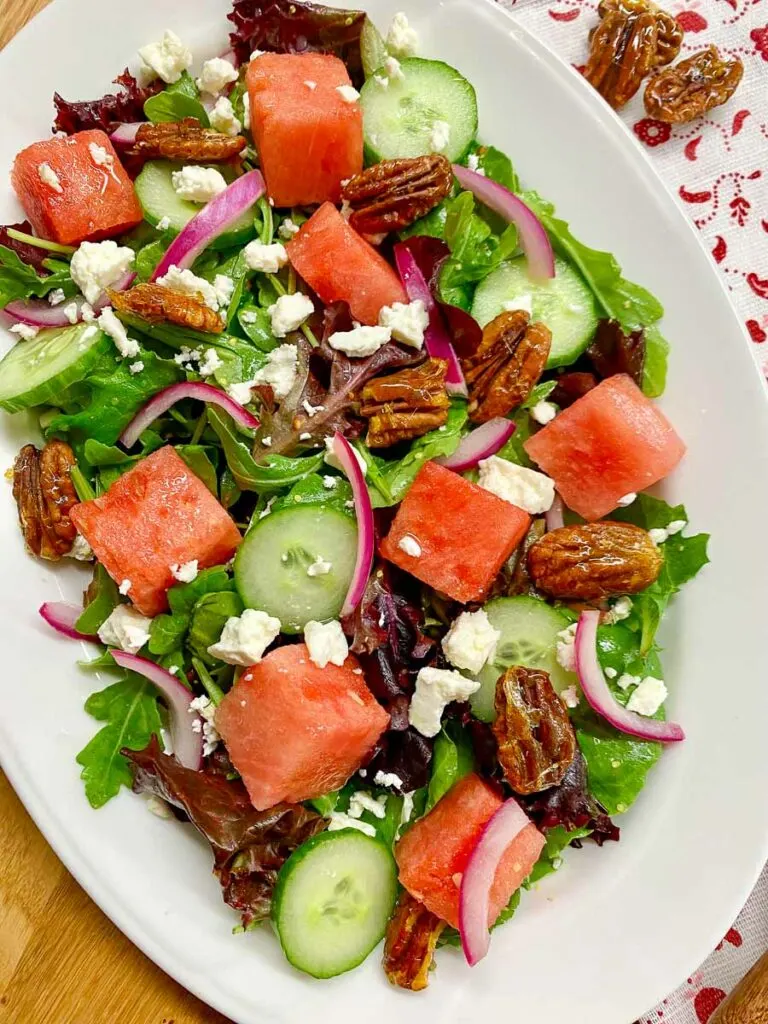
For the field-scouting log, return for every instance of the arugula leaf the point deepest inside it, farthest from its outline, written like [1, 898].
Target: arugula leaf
[475, 250]
[452, 759]
[129, 708]
[180, 100]
[312, 491]
[208, 619]
[18, 280]
[103, 598]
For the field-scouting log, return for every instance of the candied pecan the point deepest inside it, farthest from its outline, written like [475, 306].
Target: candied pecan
[613, 351]
[406, 404]
[536, 739]
[157, 304]
[669, 32]
[186, 140]
[45, 495]
[409, 948]
[691, 88]
[594, 560]
[504, 369]
[393, 194]
[571, 387]
[623, 49]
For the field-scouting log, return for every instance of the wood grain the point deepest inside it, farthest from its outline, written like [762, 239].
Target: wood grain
[748, 1003]
[14, 14]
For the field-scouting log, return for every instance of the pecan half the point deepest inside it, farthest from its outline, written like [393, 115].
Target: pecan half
[393, 194]
[45, 495]
[692, 87]
[594, 560]
[532, 728]
[157, 304]
[669, 32]
[409, 947]
[506, 366]
[406, 404]
[186, 140]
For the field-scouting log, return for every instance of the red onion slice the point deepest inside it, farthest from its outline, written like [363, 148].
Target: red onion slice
[475, 893]
[62, 617]
[598, 693]
[436, 339]
[554, 515]
[534, 239]
[187, 738]
[40, 313]
[169, 396]
[125, 134]
[364, 515]
[481, 444]
[214, 219]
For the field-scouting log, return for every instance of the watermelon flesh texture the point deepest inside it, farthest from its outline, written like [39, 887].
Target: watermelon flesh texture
[295, 731]
[433, 855]
[465, 533]
[156, 515]
[309, 139]
[342, 267]
[94, 203]
[611, 442]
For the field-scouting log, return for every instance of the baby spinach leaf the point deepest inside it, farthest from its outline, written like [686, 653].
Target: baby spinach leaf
[452, 759]
[312, 491]
[183, 598]
[167, 632]
[257, 325]
[208, 619]
[178, 101]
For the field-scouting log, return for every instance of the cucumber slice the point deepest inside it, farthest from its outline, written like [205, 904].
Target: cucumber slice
[333, 898]
[154, 187]
[529, 629]
[37, 372]
[272, 562]
[399, 121]
[565, 304]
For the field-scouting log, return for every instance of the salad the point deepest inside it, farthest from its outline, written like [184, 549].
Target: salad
[355, 438]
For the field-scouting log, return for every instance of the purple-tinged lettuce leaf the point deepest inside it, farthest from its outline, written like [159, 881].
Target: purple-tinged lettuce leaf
[571, 805]
[109, 111]
[32, 255]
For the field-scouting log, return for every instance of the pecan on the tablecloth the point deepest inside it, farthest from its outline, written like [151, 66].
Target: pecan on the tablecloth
[186, 140]
[409, 947]
[693, 86]
[406, 404]
[669, 32]
[393, 194]
[45, 495]
[158, 304]
[506, 366]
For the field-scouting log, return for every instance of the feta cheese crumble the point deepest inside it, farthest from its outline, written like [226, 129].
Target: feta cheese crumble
[164, 223]
[224, 287]
[223, 118]
[105, 161]
[441, 136]
[388, 779]
[25, 331]
[565, 650]
[126, 629]
[245, 638]
[198, 184]
[289, 313]
[626, 500]
[331, 460]
[49, 177]
[81, 550]
[108, 322]
[215, 75]
[319, 567]
[311, 85]
[184, 282]
[136, 367]
[435, 689]
[210, 362]
[626, 679]
[348, 93]
[96, 266]
[168, 58]
[410, 546]
[56, 297]
[621, 610]
[544, 412]
[125, 587]
[288, 229]
[206, 709]
[407, 322]
[570, 697]
[279, 371]
[402, 40]
[337, 820]
[531, 491]
[186, 572]
[329, 482]
[361, 801]
[72, 312]
[393, 68]
[660, 536]
[471, 641]
[268, 259]
[326, 643]
[648, 697]
[360, 341]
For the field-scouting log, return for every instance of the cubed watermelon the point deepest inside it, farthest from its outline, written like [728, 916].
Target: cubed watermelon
[75, 189]
[610, 443]
[308, 137]
[156, 515]
[465, 533]
[342, 267]
[433, 854]
[295, 731]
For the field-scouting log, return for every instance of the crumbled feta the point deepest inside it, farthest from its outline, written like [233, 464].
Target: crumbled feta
[25, 331]
[288, 229]
[136, 367]
[332, 461]
[245, 638]
[108, 322]
[72, 312]
[570, 697]
[319, 567]
[544, 412]
[198, 184]
[337, 820]
[224, 287]
[159, 808]
[473, 162]
[267, 259]
[626, 500]
[168, 58]
[360, 341]
[348, 93]
[96, 266]
[611, 673]
[402, 40]
[406, 321]
[125, 587]
[184, 282]
[441, 136]
[206, 709]
[435, 689]
[311, 410]
[329, 482]
[387, 779]
[125, 628]
[311, 85]
[81, 550]
[215, 75]
[326, 643]
[306, 436]
[186, 572]
[621, 610]
[361, 801]
[56, 297]
[382, 81]
[279, 371]
[648, 697]
[247, 109]
[223, 118]
[410, 546]
[289, 313]
[626, 680]
[210, 363]
[407, 811]
[523, 303]
[393, 68]
[242, 394]
[676, 526]
[267, 442]
[471, 641]
[103, 159]
[658, 536]
[49, 177]
[531, 491]
[164, 223]
[256, 54]
[565, 650]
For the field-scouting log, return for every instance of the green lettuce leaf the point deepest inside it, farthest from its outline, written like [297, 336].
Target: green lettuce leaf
[208, 619]
[452, 759]
[103, 599]
[18, 280]
[180, 100]
[312, 491]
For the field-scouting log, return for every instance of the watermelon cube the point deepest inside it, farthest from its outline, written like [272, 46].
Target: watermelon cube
[611, 442]
[157, 515]
[75, 189]
[465, 533]
[432, 855]
[309, 137]
[295, 731]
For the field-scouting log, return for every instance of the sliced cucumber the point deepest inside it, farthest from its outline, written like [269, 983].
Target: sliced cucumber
[271, 568]
[37, 372]
[565, 304]
[333, 898]
[154, 187]
[529, 629]
[399, 121]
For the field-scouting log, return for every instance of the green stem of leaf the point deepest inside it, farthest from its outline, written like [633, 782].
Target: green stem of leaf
[213, 690]
[40, 243]
[81, 484]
